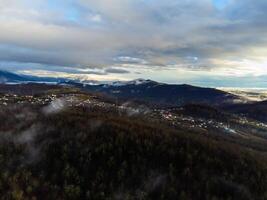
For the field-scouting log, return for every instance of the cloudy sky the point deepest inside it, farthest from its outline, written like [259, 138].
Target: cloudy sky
[218, 43]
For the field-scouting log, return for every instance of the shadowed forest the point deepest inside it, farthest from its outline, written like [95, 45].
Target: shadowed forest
[83, 153]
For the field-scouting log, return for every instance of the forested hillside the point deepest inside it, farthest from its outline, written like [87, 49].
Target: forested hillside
[89, 153]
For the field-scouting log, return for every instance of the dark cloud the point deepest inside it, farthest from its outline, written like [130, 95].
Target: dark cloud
[116, 71]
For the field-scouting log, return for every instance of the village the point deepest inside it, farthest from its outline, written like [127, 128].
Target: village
[55, 102]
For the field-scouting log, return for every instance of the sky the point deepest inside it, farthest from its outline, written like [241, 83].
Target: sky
[214, 43]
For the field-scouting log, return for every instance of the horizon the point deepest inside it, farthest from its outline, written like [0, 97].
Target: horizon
[228, 89]
[207, 43]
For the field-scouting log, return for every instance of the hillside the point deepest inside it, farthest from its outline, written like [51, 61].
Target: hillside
[256, 110]
[78, 146]
[165, 94]
[26, 89]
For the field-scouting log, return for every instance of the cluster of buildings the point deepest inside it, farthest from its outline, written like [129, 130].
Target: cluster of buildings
[172, 117]
[9, 99]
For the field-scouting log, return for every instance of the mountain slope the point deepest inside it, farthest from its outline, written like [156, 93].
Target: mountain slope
[165, 94]
[256, 110]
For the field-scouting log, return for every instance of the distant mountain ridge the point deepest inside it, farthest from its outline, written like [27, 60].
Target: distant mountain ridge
[143, 90]
[9, 77]
[6, 76]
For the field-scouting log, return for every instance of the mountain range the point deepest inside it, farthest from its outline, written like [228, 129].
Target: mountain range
[147, 91]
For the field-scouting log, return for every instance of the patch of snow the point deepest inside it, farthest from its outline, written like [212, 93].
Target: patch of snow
[124, 83]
